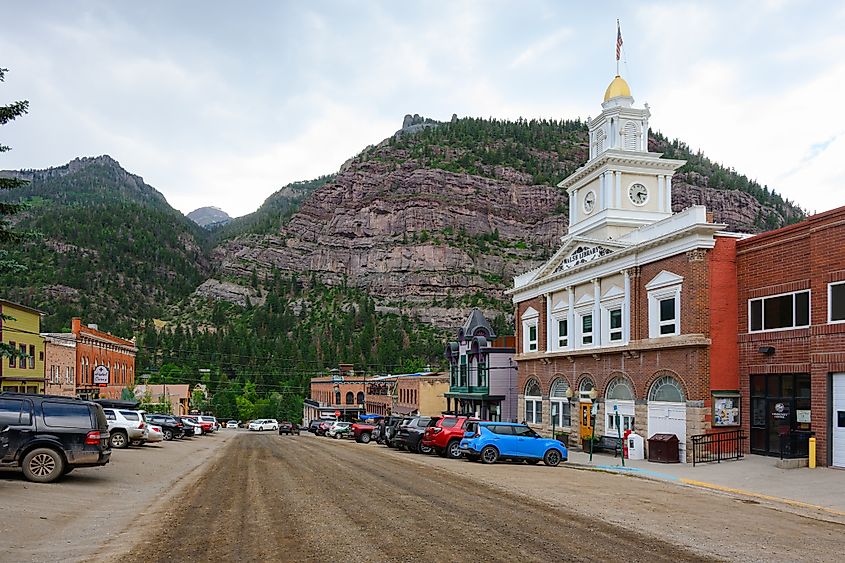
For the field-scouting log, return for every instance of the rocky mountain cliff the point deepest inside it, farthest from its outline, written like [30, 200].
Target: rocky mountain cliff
[434, 222]
[209, 217]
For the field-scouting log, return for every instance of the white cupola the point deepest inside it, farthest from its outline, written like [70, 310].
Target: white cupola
[619, 126]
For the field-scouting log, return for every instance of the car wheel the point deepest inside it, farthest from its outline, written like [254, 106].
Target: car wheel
[168, 435]
[426, 450]
[118, 440]
[552, 458]
[453, 450]
[43, 465]
[489, 454]
[336, 436]
[365, 438]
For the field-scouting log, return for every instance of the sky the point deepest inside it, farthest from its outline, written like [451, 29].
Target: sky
[223, 103]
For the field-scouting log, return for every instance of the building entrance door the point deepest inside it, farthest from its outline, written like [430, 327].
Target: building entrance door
[586, 420]
[838, 417]
[780, 413]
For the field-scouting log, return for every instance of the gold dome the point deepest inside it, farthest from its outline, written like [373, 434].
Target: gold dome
[617, 88]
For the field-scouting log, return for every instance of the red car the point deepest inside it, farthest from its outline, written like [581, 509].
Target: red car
[363, 432]
[445, 436]
[205, 422]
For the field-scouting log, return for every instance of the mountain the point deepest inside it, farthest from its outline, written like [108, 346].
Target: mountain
[434, 222]
[209, 217]
[110, 249]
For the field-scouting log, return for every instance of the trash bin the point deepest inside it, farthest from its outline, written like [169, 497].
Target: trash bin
[663, 448]
[636, 446]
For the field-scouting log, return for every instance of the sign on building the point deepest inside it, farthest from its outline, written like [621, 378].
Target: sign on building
[101, 375]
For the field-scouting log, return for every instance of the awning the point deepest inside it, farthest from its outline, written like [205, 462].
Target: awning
[370, 416]
[475, 396]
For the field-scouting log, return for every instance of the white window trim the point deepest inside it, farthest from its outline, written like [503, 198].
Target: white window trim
[793, 327]
[560, 402]
[654, 299]
[535, 401]
[530, 317]
[606, 308]
[626, 409]
[579, 328]
[563, 316]
[830, 320]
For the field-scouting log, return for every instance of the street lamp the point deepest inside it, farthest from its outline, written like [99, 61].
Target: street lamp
[593, 395]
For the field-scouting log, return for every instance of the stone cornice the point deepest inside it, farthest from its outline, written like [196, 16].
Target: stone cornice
[619, 158]
[634, 347]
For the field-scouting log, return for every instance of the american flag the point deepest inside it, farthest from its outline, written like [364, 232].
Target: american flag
[618, 40]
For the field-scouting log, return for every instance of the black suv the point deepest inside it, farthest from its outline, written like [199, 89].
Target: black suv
[48, 436]
[170, 426]
[410, 433]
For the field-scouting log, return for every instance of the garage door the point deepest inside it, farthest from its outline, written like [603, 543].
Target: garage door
[669, 418]
[839, 419]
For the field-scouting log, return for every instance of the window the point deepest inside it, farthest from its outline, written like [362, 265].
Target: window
[360, 397]
[448, 423]
[501, 429]
[562, 333]
[559, 404]
[836, 302]
[533, 403]
[615, 325]
[666, 389]
[619, 400]
[66, 415]
[350, 397]
[10, 411]
[13, 359]
[482, 375]
[453, 375]
[524, 432]
[587, 329]
[668, 321]
[584, 389]
[463, 375]
[22, 348]
[532, 338]
[110, 414]
[130, 415]
[779, 312]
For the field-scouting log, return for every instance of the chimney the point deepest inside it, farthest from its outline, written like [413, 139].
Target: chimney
[76, 325]
[709, 216]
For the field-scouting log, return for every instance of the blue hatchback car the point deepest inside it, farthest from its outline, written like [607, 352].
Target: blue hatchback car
[492, 441]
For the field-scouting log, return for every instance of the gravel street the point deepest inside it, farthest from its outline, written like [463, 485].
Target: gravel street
[263, 497]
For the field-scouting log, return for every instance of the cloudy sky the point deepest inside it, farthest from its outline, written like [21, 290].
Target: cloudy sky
[221, 103]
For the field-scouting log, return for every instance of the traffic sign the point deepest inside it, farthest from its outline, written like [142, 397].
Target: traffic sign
[337, 413]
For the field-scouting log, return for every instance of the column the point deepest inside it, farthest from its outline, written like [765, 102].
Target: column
[602, 186]
[548, 322]
[597, 335]
[626, 309]
[668, 191]
[661, 198]
[573, 208]
[570, 318]
[619, 185]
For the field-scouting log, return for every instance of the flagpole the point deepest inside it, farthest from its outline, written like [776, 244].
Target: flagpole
[618, 32]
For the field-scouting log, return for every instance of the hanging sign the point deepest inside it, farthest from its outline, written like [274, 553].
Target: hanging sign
[101, 375]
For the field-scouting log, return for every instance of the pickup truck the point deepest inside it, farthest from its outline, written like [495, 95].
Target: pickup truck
[363, 432]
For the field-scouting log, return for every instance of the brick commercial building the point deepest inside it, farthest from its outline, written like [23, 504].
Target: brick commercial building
[340, 392]
[633, 317]
[791, 318]
[407, 394]
[60, 364]
[105, 364]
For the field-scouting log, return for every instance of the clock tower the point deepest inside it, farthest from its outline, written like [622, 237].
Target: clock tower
[622, 186]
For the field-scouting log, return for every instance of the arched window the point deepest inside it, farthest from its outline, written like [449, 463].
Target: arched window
[619, 411]
[559, 403]
[350, 398]
[584, 388]
[360, 397]
[631, 136]
[666, 389]
[533, 402]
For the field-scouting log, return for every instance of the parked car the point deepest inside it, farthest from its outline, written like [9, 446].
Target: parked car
[170, 426]
[410, 434]
[286, 427]
[206, 422]
[363, 432]
[47, 436]
[323, 427]
[386, 429]
[232, 424]
[444, 437]
[492, 441]
[125, 427]
[313, 425]
[154, 433]
[192, 427]
[339, 429]
[263, 424]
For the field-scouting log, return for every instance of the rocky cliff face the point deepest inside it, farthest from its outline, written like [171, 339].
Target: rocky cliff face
[431, 242]
[209, 217]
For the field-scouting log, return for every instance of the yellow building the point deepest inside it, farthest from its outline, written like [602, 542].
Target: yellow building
[19, 328]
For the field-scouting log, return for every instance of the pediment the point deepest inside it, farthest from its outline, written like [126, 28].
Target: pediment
[573, 252]
[585, 299]
[614, 292]
[530, 313]
[561, 305]
[664, 279]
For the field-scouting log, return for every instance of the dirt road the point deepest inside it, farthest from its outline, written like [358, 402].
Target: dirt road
[273, 498]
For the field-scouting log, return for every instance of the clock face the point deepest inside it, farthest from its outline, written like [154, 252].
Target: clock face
[589, 201]
[638, 194]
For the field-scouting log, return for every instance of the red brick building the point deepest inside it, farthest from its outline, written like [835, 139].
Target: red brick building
[791, 319]
[105, 364]
[633, 317]
[342, 392]
[60, 364]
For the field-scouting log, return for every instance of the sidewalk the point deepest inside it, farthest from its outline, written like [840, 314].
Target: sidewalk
[819, 489]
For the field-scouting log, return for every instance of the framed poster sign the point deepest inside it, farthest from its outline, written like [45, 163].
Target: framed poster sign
[726, 410]
[101, 375]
